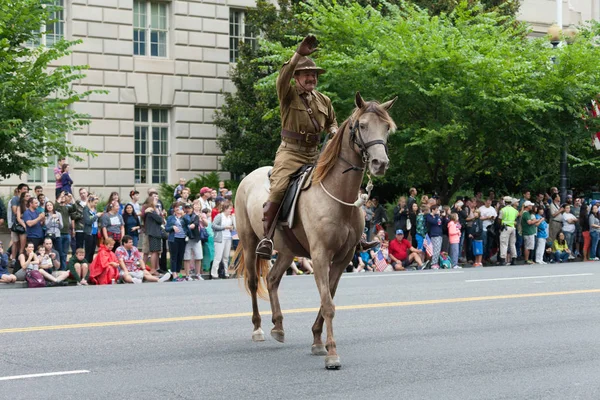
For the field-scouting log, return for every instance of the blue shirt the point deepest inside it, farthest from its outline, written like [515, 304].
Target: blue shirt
[131, 221]
[95, 224]
[181, 233]
[36, 231]
[542, 229]
[3, 264]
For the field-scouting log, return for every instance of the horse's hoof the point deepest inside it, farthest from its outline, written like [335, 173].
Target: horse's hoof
[258, 335]
[332, 362]
[318, 350]
[278, 335]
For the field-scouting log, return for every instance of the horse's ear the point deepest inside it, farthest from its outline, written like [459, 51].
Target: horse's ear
[358, 100]
[388, 104]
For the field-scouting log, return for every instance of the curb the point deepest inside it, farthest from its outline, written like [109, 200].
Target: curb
[23, 284]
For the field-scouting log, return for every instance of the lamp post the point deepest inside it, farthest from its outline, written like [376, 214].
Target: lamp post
[554, 31]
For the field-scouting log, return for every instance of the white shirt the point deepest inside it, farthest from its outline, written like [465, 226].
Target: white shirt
[205, 204]
[486, 212]
[226, 221]
[567, 226]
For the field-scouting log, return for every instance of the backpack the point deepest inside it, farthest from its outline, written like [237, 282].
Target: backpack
[445, 262]
[35, 279]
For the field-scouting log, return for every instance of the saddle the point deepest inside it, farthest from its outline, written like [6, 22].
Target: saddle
[299, 181]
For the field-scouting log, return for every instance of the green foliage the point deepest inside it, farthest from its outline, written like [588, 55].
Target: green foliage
[211, 180]
[481, 105]
[481, 100]
[35, 111]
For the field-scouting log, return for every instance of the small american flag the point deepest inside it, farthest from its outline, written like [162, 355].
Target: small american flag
[428, 246]
[380, 262]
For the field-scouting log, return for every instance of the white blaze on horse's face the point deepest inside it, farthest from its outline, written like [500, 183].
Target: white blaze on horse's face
[374, 128]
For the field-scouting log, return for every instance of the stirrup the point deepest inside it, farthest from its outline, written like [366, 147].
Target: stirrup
[264, 249]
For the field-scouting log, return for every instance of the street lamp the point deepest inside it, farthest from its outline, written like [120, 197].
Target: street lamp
[554, 32]
[570, 34]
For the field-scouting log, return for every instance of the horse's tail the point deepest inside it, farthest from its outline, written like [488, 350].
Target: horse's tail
[261, 269]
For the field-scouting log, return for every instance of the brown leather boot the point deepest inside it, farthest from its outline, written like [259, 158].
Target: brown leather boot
[264, 249]
[364, 245]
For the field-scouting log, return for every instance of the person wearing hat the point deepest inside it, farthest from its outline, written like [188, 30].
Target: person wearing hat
[305, 113]
[508, 236]
[529, 226]
[205, 194]
[402, 253]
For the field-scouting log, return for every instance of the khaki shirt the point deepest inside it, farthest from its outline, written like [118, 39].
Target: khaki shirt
[294, 116]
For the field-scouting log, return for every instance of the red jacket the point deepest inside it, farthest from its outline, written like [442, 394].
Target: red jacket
[100, 272]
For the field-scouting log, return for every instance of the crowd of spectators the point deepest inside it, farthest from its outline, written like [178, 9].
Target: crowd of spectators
[475, 231]
[70, 240]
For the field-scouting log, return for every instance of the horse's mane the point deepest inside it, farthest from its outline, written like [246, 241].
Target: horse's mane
[332, 149]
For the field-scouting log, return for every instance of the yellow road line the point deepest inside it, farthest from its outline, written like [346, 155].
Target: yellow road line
[292, 311]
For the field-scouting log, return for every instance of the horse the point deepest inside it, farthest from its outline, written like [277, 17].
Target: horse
[328, 224]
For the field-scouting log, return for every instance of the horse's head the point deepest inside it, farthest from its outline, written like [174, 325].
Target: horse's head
[371, 126]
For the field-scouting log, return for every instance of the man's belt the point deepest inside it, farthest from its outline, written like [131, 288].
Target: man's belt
[302, 137]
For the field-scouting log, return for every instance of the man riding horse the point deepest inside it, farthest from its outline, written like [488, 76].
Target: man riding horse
[305, 113]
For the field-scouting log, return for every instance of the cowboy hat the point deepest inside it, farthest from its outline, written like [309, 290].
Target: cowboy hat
[306, 64]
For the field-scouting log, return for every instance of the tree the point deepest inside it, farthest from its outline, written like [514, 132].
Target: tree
[480, 102]
[35, 100]
[249, 117]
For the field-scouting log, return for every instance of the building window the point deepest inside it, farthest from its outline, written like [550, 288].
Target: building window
[43, 174]
[35, 175]
[151, 135]
[239, 33]
[54, 29]
[150, 28]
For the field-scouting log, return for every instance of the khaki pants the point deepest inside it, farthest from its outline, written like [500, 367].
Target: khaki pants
[555, 227]
[508, 237]
[289, 158]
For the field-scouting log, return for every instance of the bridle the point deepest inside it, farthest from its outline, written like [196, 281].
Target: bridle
[356, 140]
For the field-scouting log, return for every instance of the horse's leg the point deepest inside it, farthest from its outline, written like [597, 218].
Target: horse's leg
[335, 274]
[252, 277]
[284, 259]
[322, 271]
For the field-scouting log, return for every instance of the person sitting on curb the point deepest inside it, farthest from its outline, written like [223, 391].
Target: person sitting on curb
[104, 268]
[28, 260]
[402, 253]
[5, 277]
[130, 261]
[561, 248]
[50, 263]
[79, 268]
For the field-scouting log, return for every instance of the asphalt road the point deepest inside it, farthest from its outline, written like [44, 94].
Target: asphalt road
[488, 333]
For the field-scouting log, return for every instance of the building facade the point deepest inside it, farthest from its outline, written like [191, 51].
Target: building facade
[540, 14]
[165, 65]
